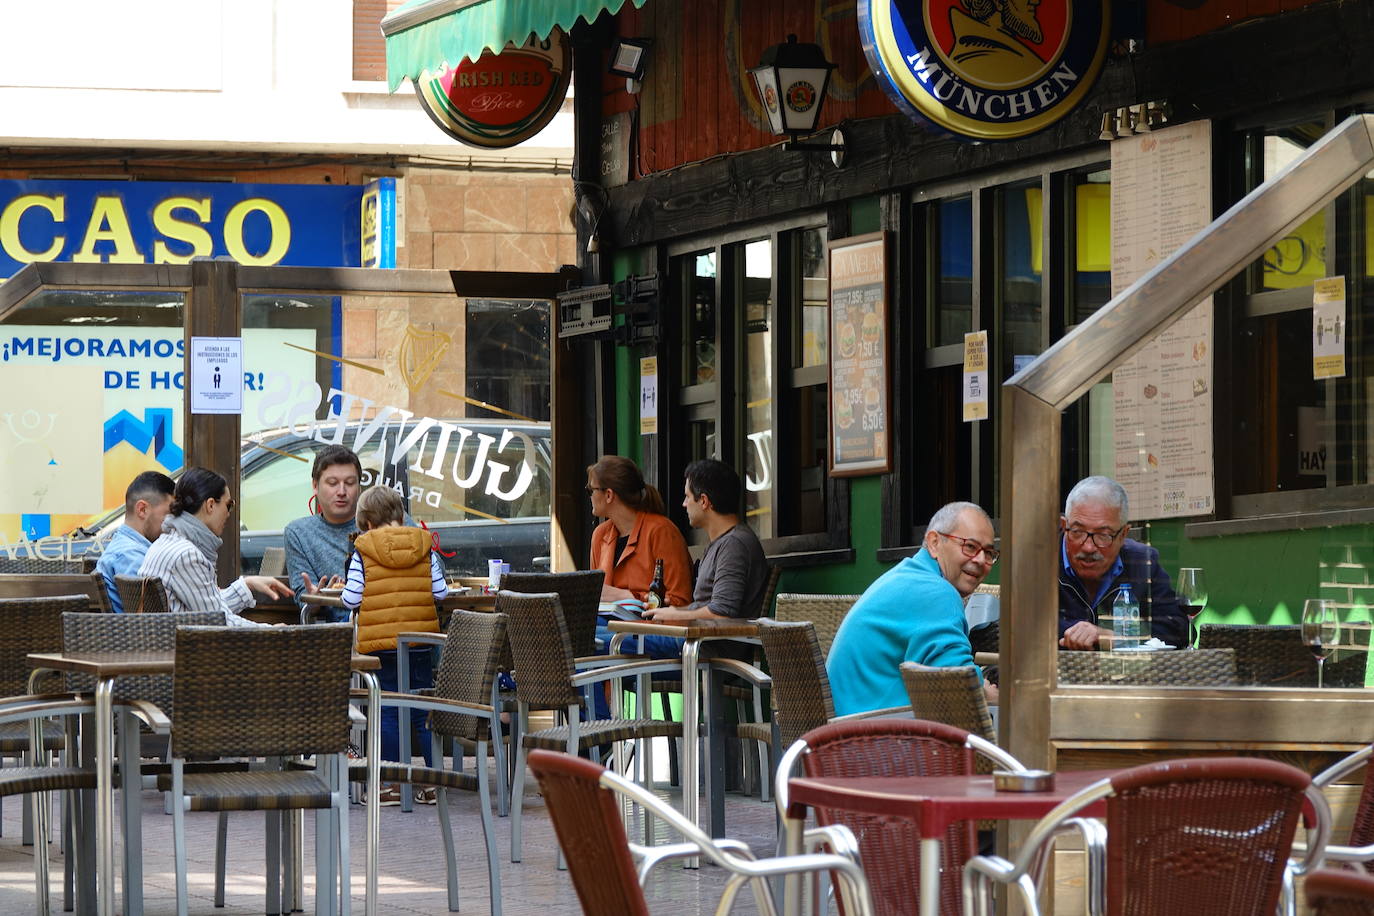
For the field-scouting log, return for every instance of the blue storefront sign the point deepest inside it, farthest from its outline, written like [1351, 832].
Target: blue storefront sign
[158, 222]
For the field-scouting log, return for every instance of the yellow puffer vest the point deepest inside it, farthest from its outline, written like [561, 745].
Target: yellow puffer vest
[397, 590]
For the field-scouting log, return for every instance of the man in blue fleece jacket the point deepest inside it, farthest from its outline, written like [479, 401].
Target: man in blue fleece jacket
[914, 612]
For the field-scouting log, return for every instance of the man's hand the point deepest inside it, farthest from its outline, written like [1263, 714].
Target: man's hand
[672, 614]
[1082, 635]
[312, 588]
[267, 586]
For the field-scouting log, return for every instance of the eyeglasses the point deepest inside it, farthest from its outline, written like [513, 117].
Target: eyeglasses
[228, 504]
[1099, 539]
[971, 548]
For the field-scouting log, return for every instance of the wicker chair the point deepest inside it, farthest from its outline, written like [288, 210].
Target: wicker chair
[275, 693]
[584, 802]
[579, 594]
[547, 678]
[890, 848]
[824, 611]
[1200, 668]
[142, 595]
[94, 632]
[1339, 893]
[1277, 656]
[39, 565]
[1359, 848]
[100, 593]
[36, 713]
[461, 713]
[1183, 836]
[31, 625]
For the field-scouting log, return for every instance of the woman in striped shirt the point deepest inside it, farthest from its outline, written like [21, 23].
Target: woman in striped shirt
[184, 556]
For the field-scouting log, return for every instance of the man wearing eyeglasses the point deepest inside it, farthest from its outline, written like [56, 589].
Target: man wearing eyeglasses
[914, 612]
[1097, 559]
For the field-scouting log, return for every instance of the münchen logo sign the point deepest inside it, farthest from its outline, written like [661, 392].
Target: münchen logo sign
[985, 69]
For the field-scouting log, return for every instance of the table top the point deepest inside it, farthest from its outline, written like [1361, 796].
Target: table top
[934, 802]
[469, 600]
[116, 664]
[692, 629]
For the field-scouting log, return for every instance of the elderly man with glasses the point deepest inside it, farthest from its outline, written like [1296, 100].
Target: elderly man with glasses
[914, 612]
[1097, 559]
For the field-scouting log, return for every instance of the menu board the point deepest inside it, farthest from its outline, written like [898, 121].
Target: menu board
[1162, 197]
[859, 392]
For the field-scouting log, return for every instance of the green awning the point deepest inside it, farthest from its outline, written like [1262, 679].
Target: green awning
[424, 35]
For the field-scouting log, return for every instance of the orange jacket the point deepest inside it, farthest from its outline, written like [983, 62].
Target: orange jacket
[653, 537]
[397, 595]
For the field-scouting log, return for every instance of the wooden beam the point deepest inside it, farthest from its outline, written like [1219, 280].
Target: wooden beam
[214, 308]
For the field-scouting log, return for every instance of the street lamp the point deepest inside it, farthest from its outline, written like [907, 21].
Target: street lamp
[791, 79]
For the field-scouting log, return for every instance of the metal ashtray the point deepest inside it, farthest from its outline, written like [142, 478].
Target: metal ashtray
[1023, 780]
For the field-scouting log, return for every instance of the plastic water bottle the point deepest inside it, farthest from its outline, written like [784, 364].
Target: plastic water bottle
[1126, 610]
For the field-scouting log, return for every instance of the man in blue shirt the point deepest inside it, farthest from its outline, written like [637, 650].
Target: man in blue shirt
[146, 502]
[914, 612]
[1096, 559]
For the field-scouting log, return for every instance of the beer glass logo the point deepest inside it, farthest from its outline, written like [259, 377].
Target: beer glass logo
[985, 69]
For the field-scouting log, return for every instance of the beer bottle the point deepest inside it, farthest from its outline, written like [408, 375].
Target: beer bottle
[657, 594]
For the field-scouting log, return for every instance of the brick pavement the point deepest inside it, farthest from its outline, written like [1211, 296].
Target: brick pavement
[411, 877]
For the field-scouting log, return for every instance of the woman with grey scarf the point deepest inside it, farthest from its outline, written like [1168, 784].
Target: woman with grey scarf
[184, 556]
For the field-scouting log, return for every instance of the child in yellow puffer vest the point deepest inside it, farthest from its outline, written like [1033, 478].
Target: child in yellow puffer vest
[393, 580]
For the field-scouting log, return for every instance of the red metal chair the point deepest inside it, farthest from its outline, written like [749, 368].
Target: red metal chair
[608, 871]
[1183, 836]
[1359, 848]
[890, 847]
[1340, 893]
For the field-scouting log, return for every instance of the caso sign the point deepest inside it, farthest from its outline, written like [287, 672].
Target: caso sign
[501, 99]
[985, 69]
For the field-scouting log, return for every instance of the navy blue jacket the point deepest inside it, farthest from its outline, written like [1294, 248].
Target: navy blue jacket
[1139, 563]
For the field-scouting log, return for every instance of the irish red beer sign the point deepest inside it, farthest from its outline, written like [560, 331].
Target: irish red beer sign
[985, 69]
[500, 99]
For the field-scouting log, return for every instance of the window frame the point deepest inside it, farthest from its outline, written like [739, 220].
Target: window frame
[706, 400]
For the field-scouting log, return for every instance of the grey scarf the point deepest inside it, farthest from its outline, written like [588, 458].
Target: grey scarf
[194, 530]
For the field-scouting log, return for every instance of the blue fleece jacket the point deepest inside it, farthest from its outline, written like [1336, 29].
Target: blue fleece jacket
[911, 613]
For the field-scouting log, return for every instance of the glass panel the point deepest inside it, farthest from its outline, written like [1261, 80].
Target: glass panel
[701, 439]
[809, 406]
[952, 269]
[1021, 270]
[815, 306]
[1091, 241]
[699, 362]
[756, 292]
[1300, 257]
[92, 382]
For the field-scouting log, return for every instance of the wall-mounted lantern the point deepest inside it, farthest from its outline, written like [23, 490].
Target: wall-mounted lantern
[792, 79]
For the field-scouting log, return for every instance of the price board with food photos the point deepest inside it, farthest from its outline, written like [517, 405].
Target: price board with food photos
[860, 397]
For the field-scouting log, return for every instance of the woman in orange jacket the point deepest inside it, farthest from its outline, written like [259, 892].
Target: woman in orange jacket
[635, 534]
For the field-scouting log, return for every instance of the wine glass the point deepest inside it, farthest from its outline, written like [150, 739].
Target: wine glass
[1321, 630]
[1192, 594]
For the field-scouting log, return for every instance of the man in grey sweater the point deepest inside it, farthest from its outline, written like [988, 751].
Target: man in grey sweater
[317, 546]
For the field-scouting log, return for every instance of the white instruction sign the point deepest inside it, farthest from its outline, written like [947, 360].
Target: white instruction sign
[216, 375]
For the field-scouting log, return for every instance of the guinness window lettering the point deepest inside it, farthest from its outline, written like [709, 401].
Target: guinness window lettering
[985, 69]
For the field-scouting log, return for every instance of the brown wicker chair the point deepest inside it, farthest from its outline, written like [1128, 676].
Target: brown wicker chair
[100, 594]
[460, 713]
[142, 595]
[890, 848]
[94, 632]
[579, 594]
[273, 562]
[546, 678]
[824, 611]
[31, 625]
[1339, 893]
[1359, 848]
[1199, 668]
[1277, 656]
[271, 692]
[1183, 836]
[584, 804]
[39, 565]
